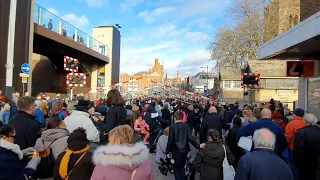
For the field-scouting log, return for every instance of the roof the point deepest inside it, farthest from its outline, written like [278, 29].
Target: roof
[155, 74]
[125, 74]
[142, 73]
[270, 68]
[230, 74]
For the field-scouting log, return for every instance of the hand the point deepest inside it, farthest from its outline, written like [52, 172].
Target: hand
[203, 145]
[28, 151]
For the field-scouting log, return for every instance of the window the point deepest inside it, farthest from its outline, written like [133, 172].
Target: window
[121, 78]
[237, 84]
[159, 79]
[227, 84]
[296, 20]
[126, 79]
[290, 21]
[130, 78]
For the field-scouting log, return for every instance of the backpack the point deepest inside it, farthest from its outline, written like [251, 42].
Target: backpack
[46, 165]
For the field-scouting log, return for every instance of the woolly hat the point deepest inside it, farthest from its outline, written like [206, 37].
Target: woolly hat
[298, 112]
[77, 140]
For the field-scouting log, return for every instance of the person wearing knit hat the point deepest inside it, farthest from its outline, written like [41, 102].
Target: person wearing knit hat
[298, 112]
[292, 127]
[75, 163]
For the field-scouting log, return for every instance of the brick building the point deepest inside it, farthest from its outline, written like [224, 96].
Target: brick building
[308, 8]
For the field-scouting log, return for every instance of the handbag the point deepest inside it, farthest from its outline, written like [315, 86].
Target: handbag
[228, 171]
[46, 165]
[133, 173]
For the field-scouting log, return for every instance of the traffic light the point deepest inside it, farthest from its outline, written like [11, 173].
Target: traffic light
[71, 64]
[76, 80]
[252, 79]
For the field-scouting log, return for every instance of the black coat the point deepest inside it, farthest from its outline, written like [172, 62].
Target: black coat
[179, 138]
[209, 161]
[210, 121]
[306, 151]
[115, 116]
[166, 114]
[233, 144]
[262, 164]
[191, 119]
[28, 130]
[83, 170]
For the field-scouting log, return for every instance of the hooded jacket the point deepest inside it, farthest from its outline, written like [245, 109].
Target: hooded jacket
[82, 119]
[59, 136]
[209, 161]
[120, 161]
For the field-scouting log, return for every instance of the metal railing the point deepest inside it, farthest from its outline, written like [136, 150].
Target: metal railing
[54, 23]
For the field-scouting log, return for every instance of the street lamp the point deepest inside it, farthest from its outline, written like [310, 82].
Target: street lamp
[207, 76]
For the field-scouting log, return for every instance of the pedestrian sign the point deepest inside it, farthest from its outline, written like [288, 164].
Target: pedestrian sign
[24, 80]
[25, 68]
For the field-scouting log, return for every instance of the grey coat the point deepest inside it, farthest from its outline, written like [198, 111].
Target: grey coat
[48, 136]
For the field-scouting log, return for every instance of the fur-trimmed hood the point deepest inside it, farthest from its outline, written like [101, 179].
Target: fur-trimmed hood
[125, 156]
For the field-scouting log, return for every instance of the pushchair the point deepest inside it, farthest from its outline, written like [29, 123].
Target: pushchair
[154, 137]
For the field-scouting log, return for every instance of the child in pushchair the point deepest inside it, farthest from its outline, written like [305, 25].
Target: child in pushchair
[141, 127]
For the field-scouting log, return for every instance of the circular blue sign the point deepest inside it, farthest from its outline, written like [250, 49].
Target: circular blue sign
[25, 68]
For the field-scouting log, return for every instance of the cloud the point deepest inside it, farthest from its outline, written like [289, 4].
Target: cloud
[196, 36]
[150, 49]
[167, 31]
[130, 4]
[95, 3]
[201, 23]
[194, 8]
[78, 22]
[151, 16]
[190, 64]
[53, 11]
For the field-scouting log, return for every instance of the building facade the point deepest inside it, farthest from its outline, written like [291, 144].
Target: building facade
[273, 83]
[111, 37]
[143, 79]
[301, 42]
[279, 16]
[203, 81]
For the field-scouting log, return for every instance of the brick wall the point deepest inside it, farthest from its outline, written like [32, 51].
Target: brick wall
[308, 8]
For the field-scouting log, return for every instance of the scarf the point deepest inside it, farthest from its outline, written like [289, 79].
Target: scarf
[12, 147]
[63, 169]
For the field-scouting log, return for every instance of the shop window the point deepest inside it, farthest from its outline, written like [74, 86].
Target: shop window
[227, 84]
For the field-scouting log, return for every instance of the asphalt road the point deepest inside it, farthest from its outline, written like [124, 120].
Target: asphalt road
[155, 166]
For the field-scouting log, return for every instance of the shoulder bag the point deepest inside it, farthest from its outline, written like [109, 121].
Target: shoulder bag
[75, 165]
[228, 171]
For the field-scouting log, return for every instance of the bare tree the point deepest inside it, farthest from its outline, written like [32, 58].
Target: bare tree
[233, 46]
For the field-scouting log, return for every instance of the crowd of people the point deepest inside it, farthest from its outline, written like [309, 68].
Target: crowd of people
[74, 138]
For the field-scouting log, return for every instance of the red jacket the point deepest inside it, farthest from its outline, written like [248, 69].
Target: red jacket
[291, 129]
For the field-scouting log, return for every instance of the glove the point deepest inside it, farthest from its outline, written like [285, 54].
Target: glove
[27, 150]
[33, 163]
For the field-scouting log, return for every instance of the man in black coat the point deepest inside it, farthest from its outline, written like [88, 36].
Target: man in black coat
[28, 130]
[306, 150]
[211, 121]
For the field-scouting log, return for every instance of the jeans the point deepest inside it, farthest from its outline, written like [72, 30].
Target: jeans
[180, 161]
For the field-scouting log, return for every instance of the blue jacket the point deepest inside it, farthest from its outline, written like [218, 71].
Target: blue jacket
[11, 167]
[230, 115]
[40, 118]
[281, 141]
[262, 164]
[5, 116]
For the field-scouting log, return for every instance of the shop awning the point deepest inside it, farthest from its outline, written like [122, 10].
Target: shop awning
[301, 41]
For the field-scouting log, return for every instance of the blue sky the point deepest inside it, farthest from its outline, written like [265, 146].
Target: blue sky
[175, 31]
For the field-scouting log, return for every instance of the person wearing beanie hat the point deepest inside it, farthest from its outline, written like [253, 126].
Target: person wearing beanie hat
[292, 127]
[75, 163]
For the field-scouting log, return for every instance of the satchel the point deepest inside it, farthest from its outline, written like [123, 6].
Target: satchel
[46, 165]
[228, 171]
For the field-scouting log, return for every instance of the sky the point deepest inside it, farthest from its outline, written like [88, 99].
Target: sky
[177, 32]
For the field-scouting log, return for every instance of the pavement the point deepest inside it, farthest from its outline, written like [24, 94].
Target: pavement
[155, 167]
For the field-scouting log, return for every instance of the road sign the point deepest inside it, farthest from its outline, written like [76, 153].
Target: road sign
[24, 75]
[24, 80]
[25, 68]
[294, 68]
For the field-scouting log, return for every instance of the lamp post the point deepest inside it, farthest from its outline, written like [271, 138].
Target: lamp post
[207, 76]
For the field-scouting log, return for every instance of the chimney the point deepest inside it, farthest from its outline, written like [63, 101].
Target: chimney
[156, 61]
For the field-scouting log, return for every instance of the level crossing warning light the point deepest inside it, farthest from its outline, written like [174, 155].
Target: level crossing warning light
[76, 80]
